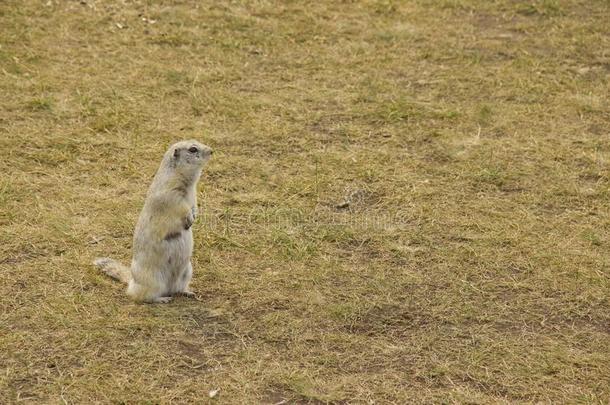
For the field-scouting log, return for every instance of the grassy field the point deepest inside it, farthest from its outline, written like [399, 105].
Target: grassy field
[409, 201]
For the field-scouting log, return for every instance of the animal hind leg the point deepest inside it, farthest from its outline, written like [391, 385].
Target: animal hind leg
[161, 300]
[141, 293]
[182, 282]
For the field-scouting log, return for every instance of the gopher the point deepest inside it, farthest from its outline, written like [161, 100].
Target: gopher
[163, 239]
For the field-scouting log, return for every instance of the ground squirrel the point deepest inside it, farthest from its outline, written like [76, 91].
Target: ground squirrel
[163, 239]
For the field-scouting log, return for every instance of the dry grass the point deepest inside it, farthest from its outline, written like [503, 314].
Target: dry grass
[469, 137]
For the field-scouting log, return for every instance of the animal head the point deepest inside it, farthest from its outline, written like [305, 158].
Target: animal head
[189, 156]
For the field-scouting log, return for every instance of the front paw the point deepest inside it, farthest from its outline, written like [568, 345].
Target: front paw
[188, 221]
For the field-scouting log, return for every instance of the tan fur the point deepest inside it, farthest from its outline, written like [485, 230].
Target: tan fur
[163, 238]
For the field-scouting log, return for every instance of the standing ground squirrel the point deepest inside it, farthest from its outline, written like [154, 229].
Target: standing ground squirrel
[163, 239]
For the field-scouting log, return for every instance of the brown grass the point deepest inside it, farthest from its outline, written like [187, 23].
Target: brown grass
[409, 200]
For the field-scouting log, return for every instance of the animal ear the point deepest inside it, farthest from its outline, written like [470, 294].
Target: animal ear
[176, 153]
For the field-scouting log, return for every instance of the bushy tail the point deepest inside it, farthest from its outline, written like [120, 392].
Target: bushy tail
[113, 269]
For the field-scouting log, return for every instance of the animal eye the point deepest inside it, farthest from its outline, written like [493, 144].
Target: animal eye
[193, 149]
